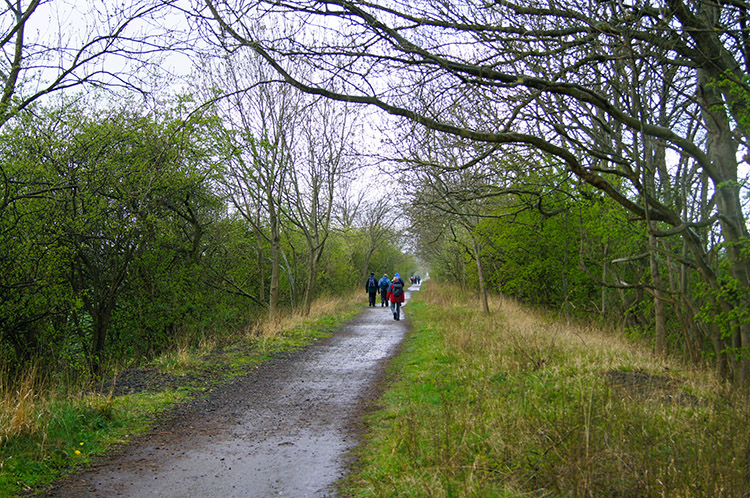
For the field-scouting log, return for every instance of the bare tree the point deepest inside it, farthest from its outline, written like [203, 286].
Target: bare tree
[552, 74]
[322, 160]
[376, 221]
[52, 46]
[259, 117]
[457, 195]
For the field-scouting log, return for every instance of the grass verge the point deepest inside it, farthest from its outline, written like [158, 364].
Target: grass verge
[514, 404]
[47, 432]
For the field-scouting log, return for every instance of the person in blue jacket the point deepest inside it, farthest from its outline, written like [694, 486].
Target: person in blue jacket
[383, 284]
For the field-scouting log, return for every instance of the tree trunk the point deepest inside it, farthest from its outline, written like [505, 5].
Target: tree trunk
[480, 276]
[660, 316]
[101, 314]
[312, 271]
[604, 309]
[290, 278]
[722, 149]
[273, 294]
[259, 253]
[312, 274]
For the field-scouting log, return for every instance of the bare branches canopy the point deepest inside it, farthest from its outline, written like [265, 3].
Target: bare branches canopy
[645, 101]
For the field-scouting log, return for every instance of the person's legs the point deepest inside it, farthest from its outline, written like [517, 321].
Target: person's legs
[397, 313]
[393, 310]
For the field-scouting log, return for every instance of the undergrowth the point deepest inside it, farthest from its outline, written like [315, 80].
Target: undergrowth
[515, 404]
[49, 430]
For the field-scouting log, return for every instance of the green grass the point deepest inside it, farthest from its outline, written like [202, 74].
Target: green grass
[68, 431]
[47, 433]
[515, 404]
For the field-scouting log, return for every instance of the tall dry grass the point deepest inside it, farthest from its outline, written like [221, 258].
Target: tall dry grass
[286, 321]
[518, 404]
[19, 401]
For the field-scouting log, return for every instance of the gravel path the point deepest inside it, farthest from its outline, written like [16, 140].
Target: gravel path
[287, 429]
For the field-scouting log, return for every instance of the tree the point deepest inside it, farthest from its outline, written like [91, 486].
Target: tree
[375, 228]
[319, 168]
[260, 119]
[97, 44]
[457, 196]
[524, 77]
[105, 183]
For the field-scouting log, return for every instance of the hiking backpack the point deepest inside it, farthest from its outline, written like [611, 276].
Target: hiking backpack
[398, 289]
[372, 284]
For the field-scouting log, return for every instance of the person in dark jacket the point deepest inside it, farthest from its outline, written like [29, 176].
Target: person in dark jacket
[396, 296]
[384, 284]
[371, 287]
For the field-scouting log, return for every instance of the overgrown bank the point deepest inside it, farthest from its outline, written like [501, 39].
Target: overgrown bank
[517, 404]
[46, 432]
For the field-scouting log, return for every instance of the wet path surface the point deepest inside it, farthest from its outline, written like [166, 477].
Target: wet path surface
[284, 430]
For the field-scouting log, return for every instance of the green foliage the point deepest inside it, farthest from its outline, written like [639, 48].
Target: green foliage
[739, 97]
[116, 240]
[537, 257]
[391, 259]
[724, 305]
[343, 267]
[111, 207]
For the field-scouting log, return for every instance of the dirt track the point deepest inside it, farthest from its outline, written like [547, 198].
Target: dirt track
[287, 429]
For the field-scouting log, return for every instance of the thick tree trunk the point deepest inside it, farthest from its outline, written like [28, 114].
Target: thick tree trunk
[101, 315]
[722, 149]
